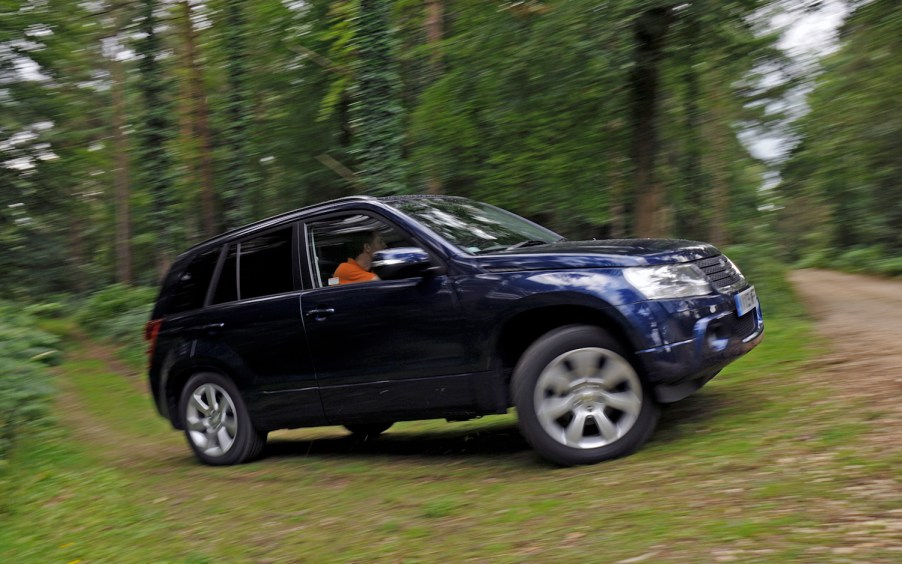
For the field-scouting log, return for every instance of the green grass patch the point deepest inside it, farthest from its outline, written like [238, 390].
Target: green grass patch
[761, 459]
[68, 506]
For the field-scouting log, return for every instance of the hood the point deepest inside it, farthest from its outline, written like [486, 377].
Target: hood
[597, 254]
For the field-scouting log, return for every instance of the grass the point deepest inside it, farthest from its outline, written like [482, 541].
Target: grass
[764, 464]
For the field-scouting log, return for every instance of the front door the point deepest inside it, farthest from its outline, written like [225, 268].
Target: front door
[382, 348]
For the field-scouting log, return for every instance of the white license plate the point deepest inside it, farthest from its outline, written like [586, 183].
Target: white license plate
[746, 301]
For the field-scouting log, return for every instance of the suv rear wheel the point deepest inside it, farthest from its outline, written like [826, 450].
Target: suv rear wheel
[217, 424]
[579, 400]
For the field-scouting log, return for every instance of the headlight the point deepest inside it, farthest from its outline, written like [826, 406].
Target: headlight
[668, 281]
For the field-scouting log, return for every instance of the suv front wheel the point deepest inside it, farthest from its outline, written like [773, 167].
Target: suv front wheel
[217, 424]
[579, 400]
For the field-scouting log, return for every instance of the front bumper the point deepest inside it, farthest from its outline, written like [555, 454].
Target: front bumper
[715, 338]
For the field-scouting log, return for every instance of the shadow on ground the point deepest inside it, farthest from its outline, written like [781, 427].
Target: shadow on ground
[685, 418]
[494, 441]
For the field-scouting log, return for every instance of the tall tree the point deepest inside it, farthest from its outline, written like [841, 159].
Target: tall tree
[121, 172]
[197, 138]
[154, 133]
[651, 33]
[239, 177]
[377, 104]
[434, 24]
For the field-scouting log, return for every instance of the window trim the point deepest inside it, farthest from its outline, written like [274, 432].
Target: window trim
[309, 280]
[217, 272]
[296, 282]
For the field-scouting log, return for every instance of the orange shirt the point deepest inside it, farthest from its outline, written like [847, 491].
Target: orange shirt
[350, 271]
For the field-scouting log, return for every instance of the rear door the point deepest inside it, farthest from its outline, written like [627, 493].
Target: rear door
[253, 327]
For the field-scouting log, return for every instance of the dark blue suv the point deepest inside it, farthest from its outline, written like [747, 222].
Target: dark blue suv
[461, 309]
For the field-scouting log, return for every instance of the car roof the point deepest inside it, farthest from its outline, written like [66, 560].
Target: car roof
[275, 220]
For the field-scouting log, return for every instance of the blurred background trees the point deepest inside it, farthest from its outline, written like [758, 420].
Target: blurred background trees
[131, 129]
[842, 185]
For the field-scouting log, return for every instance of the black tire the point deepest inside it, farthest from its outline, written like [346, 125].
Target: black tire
[579, 398]
[368, 431]
[217, 424]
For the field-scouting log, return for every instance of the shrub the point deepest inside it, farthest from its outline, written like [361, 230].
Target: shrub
[768, 274]
[818, 259]
[870, 259]
[25, 391]
[117, 312]
[890, 266]
[860, 259]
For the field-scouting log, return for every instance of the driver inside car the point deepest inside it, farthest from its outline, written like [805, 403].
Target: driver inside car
[357, 269]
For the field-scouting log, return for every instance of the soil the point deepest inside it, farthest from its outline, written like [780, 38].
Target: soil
[861, 317]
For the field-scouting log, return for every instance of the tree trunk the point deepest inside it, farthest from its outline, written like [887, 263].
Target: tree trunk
[77, 259]
[694, 215]
[153, 133]
[200, 128]
[435, 31]
[238, 177]
[718, 135]
[617, 209]
[650, 34]
[120, 178]
[378, 105]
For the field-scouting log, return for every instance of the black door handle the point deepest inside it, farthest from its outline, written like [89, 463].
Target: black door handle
[319, 314]
[212, 328]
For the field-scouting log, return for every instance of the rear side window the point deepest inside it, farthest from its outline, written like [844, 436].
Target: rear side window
[261, 266]
[191, 288]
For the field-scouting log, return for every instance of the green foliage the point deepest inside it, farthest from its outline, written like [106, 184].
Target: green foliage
[761, 265]
[25, 392]
[117, 312]
[238, 172]
[864, 259]
[154, 132]
[377, 104]
[523, 104]
[842, 179]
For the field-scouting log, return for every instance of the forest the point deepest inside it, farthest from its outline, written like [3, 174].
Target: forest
[132, 129]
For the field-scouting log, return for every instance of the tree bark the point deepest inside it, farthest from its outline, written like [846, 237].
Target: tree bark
[692, 224]
[238, 178]
[153, 132]
[719, 165]
[435, 31]
[650, 34]
[122, 208]
[199, 121]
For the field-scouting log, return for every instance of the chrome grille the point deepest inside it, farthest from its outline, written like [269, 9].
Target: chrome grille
[721, 273]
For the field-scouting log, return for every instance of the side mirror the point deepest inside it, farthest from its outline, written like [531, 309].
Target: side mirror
[402, 262]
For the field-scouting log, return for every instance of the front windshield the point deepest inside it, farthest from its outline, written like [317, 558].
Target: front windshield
[475, 227]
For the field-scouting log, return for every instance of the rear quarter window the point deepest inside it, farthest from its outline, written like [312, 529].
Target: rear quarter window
[190, 288]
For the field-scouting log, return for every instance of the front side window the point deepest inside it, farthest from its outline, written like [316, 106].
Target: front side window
[257, 267]
[341, 248]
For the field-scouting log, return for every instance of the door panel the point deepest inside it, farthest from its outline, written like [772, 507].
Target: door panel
[388, 347]
[262, 342]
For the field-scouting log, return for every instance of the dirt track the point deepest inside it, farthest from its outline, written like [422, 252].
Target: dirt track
[861, 316]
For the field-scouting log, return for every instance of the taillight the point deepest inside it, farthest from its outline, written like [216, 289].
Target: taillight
[151, 330]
